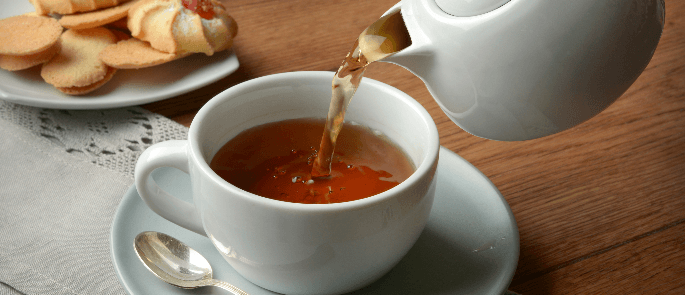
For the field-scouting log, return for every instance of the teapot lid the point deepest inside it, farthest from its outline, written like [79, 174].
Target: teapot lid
[469, 7]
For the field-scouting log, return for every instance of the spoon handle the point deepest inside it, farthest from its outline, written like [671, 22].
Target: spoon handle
[228, 287]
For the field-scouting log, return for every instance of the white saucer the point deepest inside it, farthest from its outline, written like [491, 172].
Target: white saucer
[127, 88]
[469, 246]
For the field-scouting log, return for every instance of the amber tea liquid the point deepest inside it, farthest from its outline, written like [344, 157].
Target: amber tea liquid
[385, 37]
[275, 160]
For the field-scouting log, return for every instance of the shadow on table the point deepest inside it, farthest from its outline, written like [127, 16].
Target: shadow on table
[529, 282]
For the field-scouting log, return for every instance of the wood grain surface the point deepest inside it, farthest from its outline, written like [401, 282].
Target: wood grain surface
[600, 207]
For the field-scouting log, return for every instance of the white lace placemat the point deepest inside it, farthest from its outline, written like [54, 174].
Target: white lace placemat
[112, 138]
[62, 176]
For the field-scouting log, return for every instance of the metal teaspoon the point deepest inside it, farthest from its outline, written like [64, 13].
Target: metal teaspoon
[175, 263]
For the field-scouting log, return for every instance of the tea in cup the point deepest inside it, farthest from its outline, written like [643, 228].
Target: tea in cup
[275, 160]
[299, 247]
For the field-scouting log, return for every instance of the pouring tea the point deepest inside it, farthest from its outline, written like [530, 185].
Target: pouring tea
[523, 69]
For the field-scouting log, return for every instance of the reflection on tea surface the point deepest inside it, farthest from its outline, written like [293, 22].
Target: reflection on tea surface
[275, 160]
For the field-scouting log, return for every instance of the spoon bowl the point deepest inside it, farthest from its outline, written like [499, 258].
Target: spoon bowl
[176, 263]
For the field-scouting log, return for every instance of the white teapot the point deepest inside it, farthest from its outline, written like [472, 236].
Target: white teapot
[523, 69]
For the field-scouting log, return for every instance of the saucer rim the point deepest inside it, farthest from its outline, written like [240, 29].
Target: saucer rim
[506, 272]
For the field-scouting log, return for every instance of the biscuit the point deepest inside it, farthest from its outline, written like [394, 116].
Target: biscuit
[135, 54]
[121, 35]
[96, 18]
[21, 62]
[121, 24]
[45, 7]
[25, 34]
[89, 88]
[78, 64]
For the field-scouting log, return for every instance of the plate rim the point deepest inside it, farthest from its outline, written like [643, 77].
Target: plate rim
[14, 94]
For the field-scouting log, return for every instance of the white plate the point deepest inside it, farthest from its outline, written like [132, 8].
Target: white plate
[128, 87]
[470, 244]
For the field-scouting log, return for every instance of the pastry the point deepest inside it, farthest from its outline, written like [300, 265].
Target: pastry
[181, 26]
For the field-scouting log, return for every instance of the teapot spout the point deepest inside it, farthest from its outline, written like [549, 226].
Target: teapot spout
[416, 58]
[420, 48]
[397, 38]
[445, 76]
[529, 68]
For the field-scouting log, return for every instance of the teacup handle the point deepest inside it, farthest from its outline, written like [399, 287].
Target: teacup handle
[172, 153]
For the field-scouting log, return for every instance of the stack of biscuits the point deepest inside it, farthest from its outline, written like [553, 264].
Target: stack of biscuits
[82, 44]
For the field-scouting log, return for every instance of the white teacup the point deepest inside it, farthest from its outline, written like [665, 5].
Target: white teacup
[297, 248]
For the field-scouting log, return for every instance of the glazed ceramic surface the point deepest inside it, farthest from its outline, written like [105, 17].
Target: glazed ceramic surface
[524, 69]
[299, 248]
[469, 7]
[470, 244]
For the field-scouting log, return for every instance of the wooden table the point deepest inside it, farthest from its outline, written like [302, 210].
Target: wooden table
[600, 207]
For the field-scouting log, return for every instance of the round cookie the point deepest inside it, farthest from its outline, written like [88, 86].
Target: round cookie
[25, 34]
[96, 18]
[45, 7]
[135, 54]
[89, 88]
[21, 62]
[78, 63]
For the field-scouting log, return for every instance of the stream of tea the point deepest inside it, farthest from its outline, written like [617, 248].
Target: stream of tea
[387, 36]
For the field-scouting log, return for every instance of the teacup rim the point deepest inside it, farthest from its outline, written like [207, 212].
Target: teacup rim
[426, 165]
